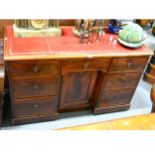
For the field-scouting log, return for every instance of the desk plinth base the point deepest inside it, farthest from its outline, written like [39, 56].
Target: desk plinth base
[34, 118]
[101, 110]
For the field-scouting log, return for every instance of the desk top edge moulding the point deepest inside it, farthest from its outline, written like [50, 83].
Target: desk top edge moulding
[51, 75]
[51, 47]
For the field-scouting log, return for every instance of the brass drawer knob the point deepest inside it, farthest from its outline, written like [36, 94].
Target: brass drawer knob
[36, 106]
[35, 69]
[35, 86]
[86, 65]
[129, 64]
[123, 78]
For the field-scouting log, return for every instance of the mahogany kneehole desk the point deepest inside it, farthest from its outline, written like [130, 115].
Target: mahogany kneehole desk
[51, 75]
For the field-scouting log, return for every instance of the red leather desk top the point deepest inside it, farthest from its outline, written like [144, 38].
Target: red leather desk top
[66, 46]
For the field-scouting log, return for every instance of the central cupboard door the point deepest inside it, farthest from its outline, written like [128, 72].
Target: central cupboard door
[77, 89]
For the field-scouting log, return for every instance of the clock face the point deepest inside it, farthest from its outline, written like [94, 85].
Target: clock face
[39, 23]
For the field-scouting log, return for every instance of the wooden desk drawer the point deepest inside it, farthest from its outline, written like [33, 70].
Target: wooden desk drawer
[33, 68]
[152, 69]
[34, 87]
[116, 96]
[128, 64]
[121, 80]
[0, 117]
[1, 108]
[33, 106]
[1, 104]
[85, 65]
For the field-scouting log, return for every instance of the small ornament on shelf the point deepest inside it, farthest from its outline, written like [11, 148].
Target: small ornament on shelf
[89, 29]
[100, 31]
[91, 32]
[82, 33]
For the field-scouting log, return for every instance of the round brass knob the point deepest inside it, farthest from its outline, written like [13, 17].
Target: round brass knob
[86, 65]
[129, 64]
[36, 106]
[123, 78]
[35, 86]
[35, 69]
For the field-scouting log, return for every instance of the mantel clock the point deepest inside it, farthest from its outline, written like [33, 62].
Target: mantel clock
[36, 27]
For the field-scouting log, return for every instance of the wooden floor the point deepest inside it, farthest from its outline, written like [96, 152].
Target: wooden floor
[141, 122]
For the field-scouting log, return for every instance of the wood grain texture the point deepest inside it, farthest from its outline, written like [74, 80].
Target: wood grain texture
[34, 118]
[128, 64]
[122, 80]
[149, 78]
[0, 116]
[96, 77]
[152, 96]
[119, 84]
[77, 89]
[110, 109]
[149, 75]
[4, 23]
[141, 122]
[34, 106]
[1, 108]
[116, 96]
[33, 68]
[34, 87]
[1, 91]
[85, 65]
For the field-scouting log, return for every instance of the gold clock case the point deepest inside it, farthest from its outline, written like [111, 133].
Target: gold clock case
[36, 28]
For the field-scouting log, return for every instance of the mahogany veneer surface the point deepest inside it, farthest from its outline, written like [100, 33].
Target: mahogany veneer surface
[51, 75]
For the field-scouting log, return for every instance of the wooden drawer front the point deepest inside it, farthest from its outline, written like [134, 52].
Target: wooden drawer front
[32, 106]
[34, 87]
[116, 96]
[149, 78]
[151, 69]
[85, 65]
[33, 68]
[0, 117]
[1, 102]
[128, 64]
[1, 84]
[116, 80]
[1, 99]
